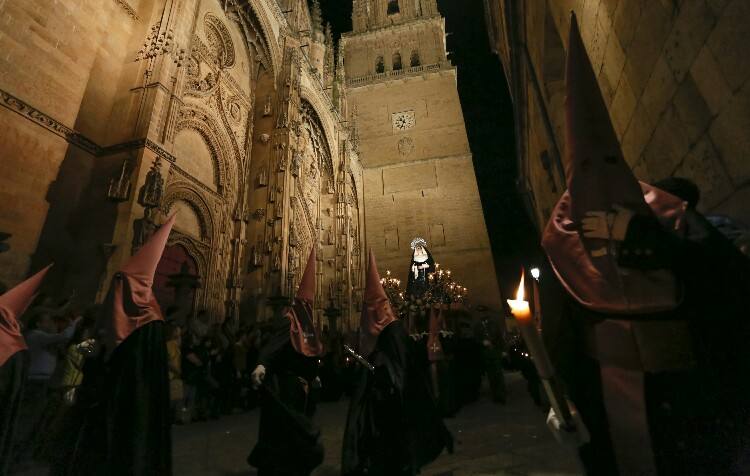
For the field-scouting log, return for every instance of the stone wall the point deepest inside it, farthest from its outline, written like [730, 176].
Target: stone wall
[673, 75]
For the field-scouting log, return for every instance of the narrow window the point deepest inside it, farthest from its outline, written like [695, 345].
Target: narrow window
[393, 7]
[379, 65]
[396, 61]
[415, 59]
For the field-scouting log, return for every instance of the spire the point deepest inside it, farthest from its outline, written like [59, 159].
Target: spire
[316, 16]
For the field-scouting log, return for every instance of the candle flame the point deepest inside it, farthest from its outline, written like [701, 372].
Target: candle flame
[520, 292]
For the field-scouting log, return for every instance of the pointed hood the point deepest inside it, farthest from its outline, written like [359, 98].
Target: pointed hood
[377, 313]
[306, 290]
[303, 333]
[598, 179]
[131, 302]
[12, 306]
[598, 176]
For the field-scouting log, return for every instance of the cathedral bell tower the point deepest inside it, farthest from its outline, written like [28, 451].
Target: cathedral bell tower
[418, 173]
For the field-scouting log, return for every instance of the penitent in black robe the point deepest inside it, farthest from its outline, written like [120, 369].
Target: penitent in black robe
[698, 419]
[288, 441]
[12, 379]
[120, 424]
[393, 427]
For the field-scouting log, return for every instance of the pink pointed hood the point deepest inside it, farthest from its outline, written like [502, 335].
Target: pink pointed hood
[377, 313]
[302, 331]
[599, 179]
[12, 306]
[131, 302]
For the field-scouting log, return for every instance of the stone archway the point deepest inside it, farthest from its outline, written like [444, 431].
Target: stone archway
[171, 290]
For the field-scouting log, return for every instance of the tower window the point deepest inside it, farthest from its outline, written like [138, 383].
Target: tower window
[415, 59]
[379, 65]
[397, 61]
[393, 7]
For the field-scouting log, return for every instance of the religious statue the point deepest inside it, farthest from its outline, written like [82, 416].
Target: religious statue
[143, 228]
[268, 107]
[153, 188]
[296, 163]
[421, 266]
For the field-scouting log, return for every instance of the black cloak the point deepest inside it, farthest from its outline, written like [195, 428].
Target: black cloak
[393, 427]
[120, 423]
[12, 380]
[288, 441]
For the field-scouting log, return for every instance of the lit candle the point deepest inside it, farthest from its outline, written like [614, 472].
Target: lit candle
[521, 312]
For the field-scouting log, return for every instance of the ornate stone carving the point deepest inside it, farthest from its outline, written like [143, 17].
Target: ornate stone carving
[219, 41]
[268, 106]
[405, 146]
[152, 190]
[128, 9]
[264, 138]
[119, 187]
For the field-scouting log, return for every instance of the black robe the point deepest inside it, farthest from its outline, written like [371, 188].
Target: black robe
[698, 418]
[288, 441]
[12, 379]
[120, 424]
[393, 427]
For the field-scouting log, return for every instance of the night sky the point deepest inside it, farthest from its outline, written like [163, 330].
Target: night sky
[489, 122]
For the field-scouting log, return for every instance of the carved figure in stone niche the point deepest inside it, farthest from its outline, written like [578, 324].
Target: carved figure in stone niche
[262, 179]
[331, 186]
[296, 163]
[153, 188]
[264, 138]
[268, 106]
[276, 262]
[143, 228]
[330, 236]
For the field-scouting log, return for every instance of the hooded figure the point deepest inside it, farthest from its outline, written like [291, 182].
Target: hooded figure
[393, 427]
[624, 320]
[13, 360]
[288, 441]
[121, 421]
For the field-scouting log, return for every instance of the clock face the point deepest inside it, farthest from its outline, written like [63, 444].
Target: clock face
[403, 120]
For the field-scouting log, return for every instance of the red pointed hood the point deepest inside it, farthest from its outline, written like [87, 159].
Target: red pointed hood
[598, 179]
[12, 306]
[306, 290]
[377, 313]
[302, 330]
[131, 302]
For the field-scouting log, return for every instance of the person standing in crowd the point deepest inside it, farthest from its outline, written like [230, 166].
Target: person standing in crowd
[13, 361]
[646, 322]
[393, 426]
[125, 419]
[44, 344]
[488, 332]
[288, 442]
[176, 388]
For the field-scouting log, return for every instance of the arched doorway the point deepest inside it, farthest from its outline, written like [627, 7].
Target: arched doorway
[175, 281]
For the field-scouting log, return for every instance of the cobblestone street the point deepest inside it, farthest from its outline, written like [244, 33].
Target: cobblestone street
[490, 440]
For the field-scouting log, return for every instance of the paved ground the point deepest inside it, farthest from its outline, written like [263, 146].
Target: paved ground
[490, 439]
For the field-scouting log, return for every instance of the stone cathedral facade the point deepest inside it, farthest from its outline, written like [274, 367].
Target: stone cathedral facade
[239, 116]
